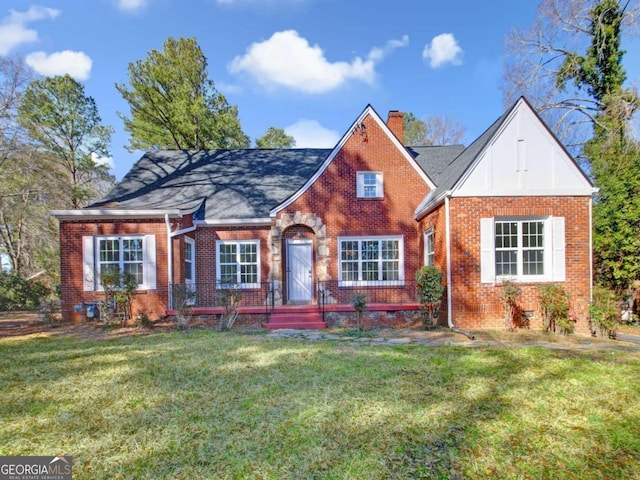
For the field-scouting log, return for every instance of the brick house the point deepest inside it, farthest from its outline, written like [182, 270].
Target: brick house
[300, 231]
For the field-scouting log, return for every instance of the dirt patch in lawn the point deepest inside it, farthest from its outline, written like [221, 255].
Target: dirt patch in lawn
[27, 323]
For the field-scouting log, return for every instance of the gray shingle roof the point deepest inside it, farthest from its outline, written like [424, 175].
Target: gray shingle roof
[435, 159]
[233, 184]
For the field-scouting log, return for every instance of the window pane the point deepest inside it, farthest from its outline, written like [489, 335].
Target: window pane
[370, 250]
[390, 271]
[349, 251]
[248, 253]
[349, 271]
[228, 253]
[390, 250]
[229, 273]
[533, 234]
[109, 250]
[249, 273]
[370, 271]
[134, 269]
[533, 262]
[506, 263]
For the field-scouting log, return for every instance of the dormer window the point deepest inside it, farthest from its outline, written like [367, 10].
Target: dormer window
[369, 185]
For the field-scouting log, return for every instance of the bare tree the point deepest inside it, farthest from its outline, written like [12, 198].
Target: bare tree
[436, 130]
[14, 77]
[537, 59]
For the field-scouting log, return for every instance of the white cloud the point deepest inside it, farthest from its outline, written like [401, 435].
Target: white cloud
[13, 30]
[288, 60]
[443, 49]
[76, 64]
[310, 134]
[131, 5]
[102, 160]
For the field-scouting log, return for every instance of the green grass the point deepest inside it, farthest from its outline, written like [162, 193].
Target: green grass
[203, 404]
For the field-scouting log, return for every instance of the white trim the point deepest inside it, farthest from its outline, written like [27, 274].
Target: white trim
[426, 254]
[114, 214]
[183, 231]
[368, 111]
[192, 243]
[590, 250]
[360, 186]
[169, 258]
[149, 264]
[371, 283]
[447, 221]
[529, 193]
[255, 242]
[233, 222]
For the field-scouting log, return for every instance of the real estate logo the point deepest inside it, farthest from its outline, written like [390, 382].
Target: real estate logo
[35, 468]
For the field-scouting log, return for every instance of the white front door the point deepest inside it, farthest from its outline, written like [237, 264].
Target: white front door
[300, 270]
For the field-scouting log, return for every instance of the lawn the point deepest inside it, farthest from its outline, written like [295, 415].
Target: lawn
[203, 404]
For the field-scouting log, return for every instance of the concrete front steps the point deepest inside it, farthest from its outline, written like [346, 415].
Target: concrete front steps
[295, 317]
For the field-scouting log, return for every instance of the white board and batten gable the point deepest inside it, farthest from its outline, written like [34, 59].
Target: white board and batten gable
[523, 158]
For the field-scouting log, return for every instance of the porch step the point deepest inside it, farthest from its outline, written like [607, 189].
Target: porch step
[295, 317]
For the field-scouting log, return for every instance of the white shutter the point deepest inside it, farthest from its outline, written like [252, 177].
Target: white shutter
[360, 184]
[487, 252]
[150, 265]
[379, 190]
[558, 246]
[88, 264]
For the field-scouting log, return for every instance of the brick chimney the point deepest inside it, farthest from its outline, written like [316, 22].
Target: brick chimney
[395, 122]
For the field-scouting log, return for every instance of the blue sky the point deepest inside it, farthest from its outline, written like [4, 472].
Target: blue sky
[308, 66]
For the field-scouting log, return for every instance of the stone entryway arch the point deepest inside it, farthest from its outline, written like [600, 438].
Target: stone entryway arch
[322, 259]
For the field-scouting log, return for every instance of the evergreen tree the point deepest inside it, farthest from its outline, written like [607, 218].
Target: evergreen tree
[65, 126]
[174, 104]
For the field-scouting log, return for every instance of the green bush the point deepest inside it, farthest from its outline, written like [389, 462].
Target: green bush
[510, 296]
[359, 302]
[19, 293]
[605, 312]
[430, 290]
[554, 307]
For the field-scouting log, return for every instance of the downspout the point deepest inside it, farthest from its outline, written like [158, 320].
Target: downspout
[449, 302]
[169, 259]
[590, 249]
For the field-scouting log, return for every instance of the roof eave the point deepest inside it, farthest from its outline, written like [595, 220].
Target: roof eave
[422, 211]
[112, 214]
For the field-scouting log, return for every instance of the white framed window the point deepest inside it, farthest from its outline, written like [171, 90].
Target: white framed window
[429, 248]
[189, 260]
[371, 261]
[523, 249]
[238, 262]
[369, 185]
[134, 254]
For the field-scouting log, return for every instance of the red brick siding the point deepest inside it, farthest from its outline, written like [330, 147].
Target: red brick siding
[333, 196]
[477, 305]
[206, 238]
[71, 274]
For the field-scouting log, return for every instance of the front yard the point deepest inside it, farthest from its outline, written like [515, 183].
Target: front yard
[202, 404]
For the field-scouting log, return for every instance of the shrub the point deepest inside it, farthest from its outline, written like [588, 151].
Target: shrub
[229, 298]
[510, 296]
[19, 293]
[604, 312]
[554, 308]
[119, 290]
[183, 297]
[359, 302]
[430, 290]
